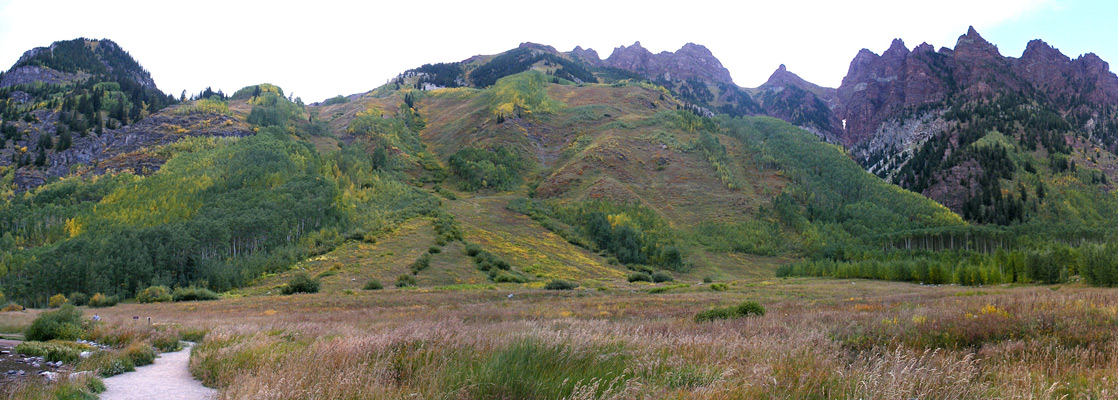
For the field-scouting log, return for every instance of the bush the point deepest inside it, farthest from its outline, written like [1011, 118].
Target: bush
[559, 284]
[194, 293]
[57, 301]
[100, 300]
[421, 263]
[107, 363]
[745, 309]
[154, 294]
[434, 249]
[750, 308]
[301, 282]
[12, 307]
[65, 324]
[708, 279]
[662, 276]
[472, 249]
[640, 277]
[54, 350]
[507, 277]
[373, 284]
[719, 287]
[78, 298]
[140, 353]
[405, 281]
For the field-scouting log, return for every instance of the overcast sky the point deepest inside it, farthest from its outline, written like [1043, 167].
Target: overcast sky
[322, 48]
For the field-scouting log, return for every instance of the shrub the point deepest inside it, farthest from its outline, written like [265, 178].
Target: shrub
[559, 284]
[719, 287]
[154, 294]
[193, 334]
[708, 279]
[750, 308]
[140, 353]
[507, 277]
[194, 293]
[472, 249]
[405, 281]
[57, 301]
[100, 300]
[434, 249]
[54, 350]
[662, 276]
[373, 284]
[301, 282]
[78, 298]
[421, 263]
[745, 309]
[63, 324]
[107, 363]
[640, 277]
[12, 307]
[665, 289]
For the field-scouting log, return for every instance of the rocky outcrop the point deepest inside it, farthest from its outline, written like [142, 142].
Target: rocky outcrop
[787, 96]
[692, 61]
[30, 74]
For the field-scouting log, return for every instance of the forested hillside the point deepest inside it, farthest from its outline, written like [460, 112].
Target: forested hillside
[503, 165]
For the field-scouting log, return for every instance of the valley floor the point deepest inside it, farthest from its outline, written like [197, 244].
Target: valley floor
[820, 339]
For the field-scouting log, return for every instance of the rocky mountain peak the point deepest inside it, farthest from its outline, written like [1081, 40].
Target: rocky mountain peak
[588, 56]
[972, 42]
[537, 46]
[896, 48]
[690, 61]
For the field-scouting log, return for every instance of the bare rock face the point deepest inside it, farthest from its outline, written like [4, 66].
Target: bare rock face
[31, 74]
[811, 107]
[690, 61]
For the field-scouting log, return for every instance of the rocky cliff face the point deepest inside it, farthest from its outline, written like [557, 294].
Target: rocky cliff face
[692, 61]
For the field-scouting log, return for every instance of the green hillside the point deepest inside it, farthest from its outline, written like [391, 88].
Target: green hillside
[517, 184]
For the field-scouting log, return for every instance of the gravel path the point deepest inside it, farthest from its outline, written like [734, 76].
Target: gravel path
[166, 379]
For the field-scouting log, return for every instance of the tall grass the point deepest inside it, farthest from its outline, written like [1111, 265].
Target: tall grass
[819, 339]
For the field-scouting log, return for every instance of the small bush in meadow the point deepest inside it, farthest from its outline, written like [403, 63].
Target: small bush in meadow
[639, 277]
[301, 283]
[107, 363]
[559, 284]
[434, 249]
[194, 293]
[140, 353]
[154, 294]
[719, 287]
[57, 301]
[508, 277]
[662, 276]
[405, 281]
[472, 249]
[373, 284]
[101, 300]
[745, 309]
[708, 279]
[78, 298]
[12, 307]
[193, 334]
[66, 324]
[54, 350]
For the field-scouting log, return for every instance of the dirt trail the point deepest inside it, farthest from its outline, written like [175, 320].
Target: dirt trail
[166, 379]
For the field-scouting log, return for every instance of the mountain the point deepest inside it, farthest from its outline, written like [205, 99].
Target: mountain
[535, 165]
[85, 106]
[920, 117]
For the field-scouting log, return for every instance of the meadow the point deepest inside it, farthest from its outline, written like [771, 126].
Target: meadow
[819, 339]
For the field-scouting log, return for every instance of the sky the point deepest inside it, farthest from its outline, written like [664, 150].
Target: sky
[323, 48]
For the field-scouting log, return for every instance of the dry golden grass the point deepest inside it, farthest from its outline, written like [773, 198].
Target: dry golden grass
[820, 339]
